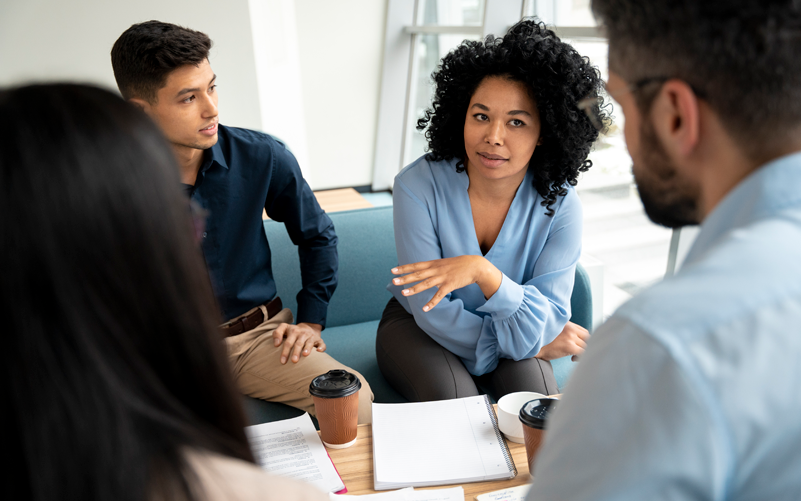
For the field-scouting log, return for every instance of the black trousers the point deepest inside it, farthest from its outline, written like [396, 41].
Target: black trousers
[420, 369]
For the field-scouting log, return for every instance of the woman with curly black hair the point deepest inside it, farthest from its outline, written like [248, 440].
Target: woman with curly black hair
[488, 224]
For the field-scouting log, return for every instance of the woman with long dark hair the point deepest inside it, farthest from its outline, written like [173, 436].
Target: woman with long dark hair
[488, 225]
[115, 381]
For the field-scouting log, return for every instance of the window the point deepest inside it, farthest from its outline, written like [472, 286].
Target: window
[633, 252]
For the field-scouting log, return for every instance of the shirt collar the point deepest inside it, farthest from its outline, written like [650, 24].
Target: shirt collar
[213, 154]
[766, 191]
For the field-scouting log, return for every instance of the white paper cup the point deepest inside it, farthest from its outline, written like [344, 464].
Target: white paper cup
[509, 411]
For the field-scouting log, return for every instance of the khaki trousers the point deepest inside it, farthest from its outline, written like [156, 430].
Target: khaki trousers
[258, 372]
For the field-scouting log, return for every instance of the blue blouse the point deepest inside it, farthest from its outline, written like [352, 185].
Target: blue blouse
[536, 253]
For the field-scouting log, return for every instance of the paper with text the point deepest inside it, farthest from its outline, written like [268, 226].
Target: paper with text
[511, 494]
[292, 448]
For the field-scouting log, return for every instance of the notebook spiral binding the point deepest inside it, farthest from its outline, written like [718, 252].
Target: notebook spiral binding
[506, 452]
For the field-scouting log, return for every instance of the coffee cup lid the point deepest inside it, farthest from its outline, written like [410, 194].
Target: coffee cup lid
[534, 413]
[335, 384]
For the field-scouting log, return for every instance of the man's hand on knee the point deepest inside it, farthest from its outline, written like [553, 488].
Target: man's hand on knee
[298, 340]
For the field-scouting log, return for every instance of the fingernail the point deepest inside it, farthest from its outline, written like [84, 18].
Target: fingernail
[394, 270]
[306, 352]
[283, 360]
[397, 281]
[426, 308]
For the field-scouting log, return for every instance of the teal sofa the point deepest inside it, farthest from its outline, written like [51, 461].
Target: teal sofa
[366, 255]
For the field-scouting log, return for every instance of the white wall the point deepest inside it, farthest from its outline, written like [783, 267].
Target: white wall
[71, 40]
[275, 44]
[324, 103]
[341, 46]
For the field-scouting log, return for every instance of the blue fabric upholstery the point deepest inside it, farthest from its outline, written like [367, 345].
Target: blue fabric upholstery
[366, 254]
[581, 314]
[354, 346]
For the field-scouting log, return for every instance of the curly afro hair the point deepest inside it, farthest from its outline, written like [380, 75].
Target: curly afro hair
[557, 78]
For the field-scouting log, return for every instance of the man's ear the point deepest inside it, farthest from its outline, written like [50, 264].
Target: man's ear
[676, 117]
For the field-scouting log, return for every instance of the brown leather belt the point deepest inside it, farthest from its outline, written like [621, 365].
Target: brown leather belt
[245, 323]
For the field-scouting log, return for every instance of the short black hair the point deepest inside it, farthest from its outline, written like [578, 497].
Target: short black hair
[556, 76]
[112, 364]
[743, 55]
[146, 53]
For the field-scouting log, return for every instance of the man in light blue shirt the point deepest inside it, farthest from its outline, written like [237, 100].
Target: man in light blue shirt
[692, 390]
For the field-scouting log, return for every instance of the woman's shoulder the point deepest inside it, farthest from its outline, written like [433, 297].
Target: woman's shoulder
[425, 174]
[226, 478]
[570, 201]
[567, 209]
[567, 204]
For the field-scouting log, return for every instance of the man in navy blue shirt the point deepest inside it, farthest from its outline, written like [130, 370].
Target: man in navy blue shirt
[233, 174]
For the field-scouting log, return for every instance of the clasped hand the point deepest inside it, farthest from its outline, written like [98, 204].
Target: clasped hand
[298, 339]
[571, 341]
[447, 275]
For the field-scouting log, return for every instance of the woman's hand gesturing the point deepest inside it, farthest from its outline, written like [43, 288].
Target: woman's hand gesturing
[571, 341]
[447, 275]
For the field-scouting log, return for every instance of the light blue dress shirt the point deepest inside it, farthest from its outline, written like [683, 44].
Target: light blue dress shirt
[692, 390]
[537, 255]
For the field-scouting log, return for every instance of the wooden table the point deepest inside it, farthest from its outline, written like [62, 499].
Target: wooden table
[337, 200]
[355, 466]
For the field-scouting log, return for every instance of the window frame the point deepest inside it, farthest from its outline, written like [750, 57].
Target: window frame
[398, 73]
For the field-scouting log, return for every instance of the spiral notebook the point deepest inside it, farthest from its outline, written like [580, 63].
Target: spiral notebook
[438, 443]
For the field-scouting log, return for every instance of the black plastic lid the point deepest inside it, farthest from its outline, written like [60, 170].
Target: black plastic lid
[335, 384]
[534, 413]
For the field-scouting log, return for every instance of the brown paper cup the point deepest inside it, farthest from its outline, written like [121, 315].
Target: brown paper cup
[338, 419]
[533, 438]
[533, 417]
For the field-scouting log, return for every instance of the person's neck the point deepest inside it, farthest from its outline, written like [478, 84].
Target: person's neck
[189, 161]
[726, 166]
[494, 190]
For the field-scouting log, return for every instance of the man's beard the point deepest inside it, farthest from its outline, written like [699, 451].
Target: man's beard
[668, 200]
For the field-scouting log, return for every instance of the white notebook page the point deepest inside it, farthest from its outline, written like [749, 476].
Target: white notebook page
[436, 441]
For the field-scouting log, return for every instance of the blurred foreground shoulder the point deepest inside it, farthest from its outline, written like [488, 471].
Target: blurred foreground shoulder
[225, 478]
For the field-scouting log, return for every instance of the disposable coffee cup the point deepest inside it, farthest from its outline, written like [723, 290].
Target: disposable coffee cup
[533, 415]
[336, 402]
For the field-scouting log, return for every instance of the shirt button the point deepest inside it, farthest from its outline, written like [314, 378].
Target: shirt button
[204, 234]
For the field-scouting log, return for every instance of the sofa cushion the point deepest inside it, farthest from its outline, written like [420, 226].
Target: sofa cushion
[366, 251]
[354, 346]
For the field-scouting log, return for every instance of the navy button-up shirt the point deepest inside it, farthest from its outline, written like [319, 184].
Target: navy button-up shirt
[241, 174]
